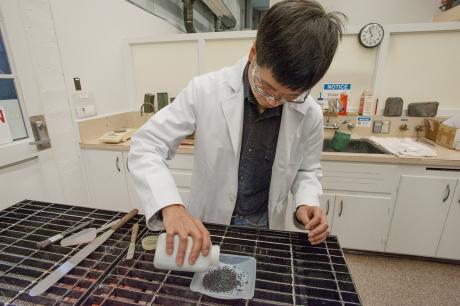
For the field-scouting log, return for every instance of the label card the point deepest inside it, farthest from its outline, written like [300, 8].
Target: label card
[5, 134]
[364, 121]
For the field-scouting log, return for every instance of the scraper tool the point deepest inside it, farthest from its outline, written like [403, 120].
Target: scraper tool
[86, 235]
[132, 245]
[65, 268]
[58, 237]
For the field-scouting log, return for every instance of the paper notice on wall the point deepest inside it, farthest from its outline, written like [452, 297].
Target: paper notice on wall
[364, 121]
[334, 89]
[5, 134]
[332, 93]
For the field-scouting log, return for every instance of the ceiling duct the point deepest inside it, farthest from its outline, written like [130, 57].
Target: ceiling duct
[222, 12]
[191, 15]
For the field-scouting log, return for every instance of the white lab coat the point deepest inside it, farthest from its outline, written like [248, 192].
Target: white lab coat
[212, 106]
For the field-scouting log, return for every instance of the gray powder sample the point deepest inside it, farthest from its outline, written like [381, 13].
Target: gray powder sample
[222, 279]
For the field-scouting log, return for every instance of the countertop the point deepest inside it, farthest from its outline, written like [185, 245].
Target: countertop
[96, 144]
[445, 157]
[91, 129]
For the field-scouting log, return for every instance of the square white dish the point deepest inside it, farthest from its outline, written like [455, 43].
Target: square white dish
[244, 266]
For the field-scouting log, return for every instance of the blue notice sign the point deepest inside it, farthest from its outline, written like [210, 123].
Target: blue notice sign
[336, 86]
[364, 121]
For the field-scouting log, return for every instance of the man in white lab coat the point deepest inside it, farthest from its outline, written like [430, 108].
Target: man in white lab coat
[258, 136]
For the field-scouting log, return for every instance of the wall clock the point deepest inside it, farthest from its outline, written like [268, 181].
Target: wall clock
[371, 35]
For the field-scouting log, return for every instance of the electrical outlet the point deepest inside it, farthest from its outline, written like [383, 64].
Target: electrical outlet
[84, 111]
[385, 127]
[377, 127]
[84, 104]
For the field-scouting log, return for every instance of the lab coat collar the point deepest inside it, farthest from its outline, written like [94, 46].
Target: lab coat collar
[232, 106]
[302, 108]
[235, 75]
[235, 81]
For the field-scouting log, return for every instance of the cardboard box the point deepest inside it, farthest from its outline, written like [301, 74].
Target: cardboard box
[431, 128]
[448, 137]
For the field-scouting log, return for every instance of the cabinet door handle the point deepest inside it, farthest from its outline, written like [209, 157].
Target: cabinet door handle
[116, 164]
[127, 166]
[341, 208]
[327, 209]
[447, 193]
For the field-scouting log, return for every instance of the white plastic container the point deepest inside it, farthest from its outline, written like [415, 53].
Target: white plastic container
[168, 262]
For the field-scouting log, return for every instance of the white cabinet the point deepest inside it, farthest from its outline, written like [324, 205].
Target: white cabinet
[360, 198]
[362, 222]
[135, 200]
[421, 209]
[111, 184]
[327, 202]
[181, 169]
[359, 221]
[105, 172]
[449, 246]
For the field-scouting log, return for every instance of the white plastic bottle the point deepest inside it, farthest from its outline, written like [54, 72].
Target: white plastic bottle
[168, 262]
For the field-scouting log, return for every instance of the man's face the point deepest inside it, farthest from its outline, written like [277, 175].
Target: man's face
[268, 92]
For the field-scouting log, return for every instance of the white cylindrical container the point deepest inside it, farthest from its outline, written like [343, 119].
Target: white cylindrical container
[168, 262]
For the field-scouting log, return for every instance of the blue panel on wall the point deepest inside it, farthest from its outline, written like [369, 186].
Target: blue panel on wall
[4, 65]
[7, 90]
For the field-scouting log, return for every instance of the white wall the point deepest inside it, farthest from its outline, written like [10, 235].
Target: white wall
[52, 41]
[360, 12]
[417, 62]
[90, 37]
[423, 67]
[56, 175]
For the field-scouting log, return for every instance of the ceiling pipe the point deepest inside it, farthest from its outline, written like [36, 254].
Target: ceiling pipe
[188, 15]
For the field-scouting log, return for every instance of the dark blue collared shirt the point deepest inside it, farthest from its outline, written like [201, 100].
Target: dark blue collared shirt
[258, 148]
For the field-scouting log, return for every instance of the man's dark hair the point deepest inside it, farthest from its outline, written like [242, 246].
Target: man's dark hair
[297, 40]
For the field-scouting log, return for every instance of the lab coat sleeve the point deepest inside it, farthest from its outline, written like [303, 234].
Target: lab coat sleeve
[306, 187]
[155, 143]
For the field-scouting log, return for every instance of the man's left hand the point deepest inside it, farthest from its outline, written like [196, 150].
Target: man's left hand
[314, 220]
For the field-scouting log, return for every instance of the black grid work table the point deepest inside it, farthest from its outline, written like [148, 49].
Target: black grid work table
[289, 270]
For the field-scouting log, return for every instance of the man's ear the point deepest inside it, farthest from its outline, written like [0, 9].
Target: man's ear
[252, 53]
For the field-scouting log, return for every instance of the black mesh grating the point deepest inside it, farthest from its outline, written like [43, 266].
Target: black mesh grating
[22, 265]
[289, 270]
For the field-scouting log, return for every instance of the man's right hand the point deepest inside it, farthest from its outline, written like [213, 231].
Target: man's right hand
[177, 221]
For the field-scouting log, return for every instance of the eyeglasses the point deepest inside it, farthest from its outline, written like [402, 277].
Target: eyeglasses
[258, 83]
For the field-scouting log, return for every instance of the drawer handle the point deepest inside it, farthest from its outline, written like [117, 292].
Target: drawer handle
[116, 164]
[327, 209]
[447, 193]
[341, 208]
